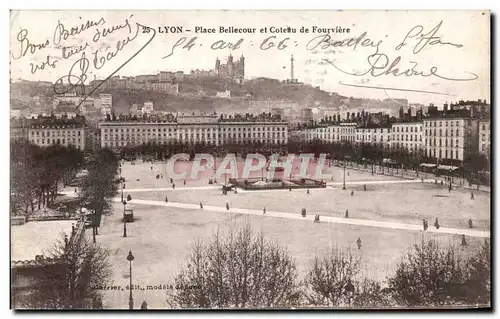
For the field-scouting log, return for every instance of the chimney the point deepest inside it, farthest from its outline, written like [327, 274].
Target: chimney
[348, 116]
[445, 107]
[39, 257]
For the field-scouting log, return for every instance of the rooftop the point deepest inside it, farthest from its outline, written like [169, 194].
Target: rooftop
[37, 238]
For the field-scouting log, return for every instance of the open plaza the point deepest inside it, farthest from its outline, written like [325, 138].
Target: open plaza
[385, 212]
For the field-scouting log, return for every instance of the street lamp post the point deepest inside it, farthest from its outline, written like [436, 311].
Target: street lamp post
[130, 257]
[124, 220]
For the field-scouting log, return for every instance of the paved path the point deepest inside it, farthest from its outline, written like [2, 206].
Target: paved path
[310, 218]
[218, 186]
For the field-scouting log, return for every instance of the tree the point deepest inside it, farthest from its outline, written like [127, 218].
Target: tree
[100, 185]
[430, 275]
[326, 282]
[478, 276]
[71, 277]
[239, 271]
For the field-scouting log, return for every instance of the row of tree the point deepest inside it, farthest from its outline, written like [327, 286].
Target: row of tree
[69, 278]
[244, 270]
[100, 185]
[37, 173]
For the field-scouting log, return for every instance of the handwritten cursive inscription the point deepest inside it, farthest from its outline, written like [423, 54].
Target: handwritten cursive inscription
[119, 46]
[424, 39]
[325, 41]
[61, 33]
[25, 45]
[381, 65]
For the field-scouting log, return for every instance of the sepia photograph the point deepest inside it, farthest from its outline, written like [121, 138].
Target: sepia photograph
[250, 160]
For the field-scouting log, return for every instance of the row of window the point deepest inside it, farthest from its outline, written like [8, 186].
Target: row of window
[440, 154]
[411, 139]
[405, 129]
[434, 132]
[430, 124]
[125, 143]
[192, 135]
[56, 141]
[434, 142]
[56, 133]
[239, 129]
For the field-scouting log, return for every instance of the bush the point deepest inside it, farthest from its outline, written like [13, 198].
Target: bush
[431, 276]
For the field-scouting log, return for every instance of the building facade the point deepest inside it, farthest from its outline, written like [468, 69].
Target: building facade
[485, 137]
[374, 136]
[194, 129]
[450, 138]
[47, 132]
[408, 135]
[106, 103]
[331, 133]
[19, 129]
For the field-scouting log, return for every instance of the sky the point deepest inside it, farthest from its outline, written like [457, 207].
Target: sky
[454, 45]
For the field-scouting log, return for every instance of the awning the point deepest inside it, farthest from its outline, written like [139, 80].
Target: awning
[447, 167]
[427, 165]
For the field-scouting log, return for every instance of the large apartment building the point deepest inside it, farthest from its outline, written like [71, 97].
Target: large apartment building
[330, 133]
[408, 135]
[194, 129]
[378, 135]
[59, 133]
[450, 138]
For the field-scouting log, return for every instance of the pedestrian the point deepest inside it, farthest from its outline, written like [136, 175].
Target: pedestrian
[144, 305]
[436, 224]
[471, 195]
[308, 192]
[264, 211]
[441, 183]
[464, 242]
[358, 242]
[346, 213]
[201, 205]
[470, 223]
[422, 179]
[235, 190]
[227, 206]
[184, 182]
[173, 186]
[303, 212]
[424, 224]
[290, 189]
[151, 167]
[166, 199]
[352, 193]
[171, 180]
[364, 187]
[75, 191]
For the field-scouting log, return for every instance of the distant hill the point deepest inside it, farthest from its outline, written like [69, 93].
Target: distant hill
[198, 95]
